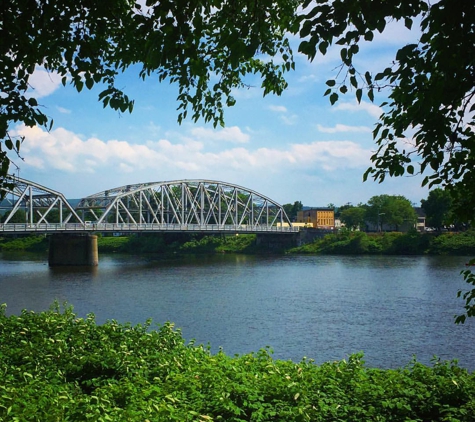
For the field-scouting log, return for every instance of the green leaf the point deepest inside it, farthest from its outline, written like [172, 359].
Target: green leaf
[89, 83]
[371, 95]
[330, 82]
[323, 46]
[359, 93]
[344, 54]
[333, 98]
[368, 78]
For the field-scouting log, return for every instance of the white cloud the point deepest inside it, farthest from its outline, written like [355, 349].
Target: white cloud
[63, 150]
[342, 128]
[79, 166]
[371, 109]
[43, 83]
[228, 134]
[331, 154]
[289, 120]
[63, 110]
[278, 109]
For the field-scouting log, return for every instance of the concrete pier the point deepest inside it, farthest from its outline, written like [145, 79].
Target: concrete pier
[73, 250]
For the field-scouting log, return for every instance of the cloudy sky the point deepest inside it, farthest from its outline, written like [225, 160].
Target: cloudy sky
[293, 147]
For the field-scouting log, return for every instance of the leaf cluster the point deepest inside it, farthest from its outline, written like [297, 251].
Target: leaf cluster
[428, 123]
[56, 366]
[206, 48]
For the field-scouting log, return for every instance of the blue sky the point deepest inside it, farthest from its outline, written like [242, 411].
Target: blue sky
[293, 147]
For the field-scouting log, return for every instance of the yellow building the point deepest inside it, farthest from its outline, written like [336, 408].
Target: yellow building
[318, 218]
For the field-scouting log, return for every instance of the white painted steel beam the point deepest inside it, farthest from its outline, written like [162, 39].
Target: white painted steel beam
[191, 205]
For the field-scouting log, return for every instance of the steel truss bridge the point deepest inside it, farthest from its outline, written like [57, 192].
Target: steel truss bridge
[180, 205]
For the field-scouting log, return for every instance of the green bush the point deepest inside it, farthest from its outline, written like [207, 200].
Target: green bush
[112, 243]
[243, 243]
[56, 367]
[454, 244]
[30, 243]
[392, 243]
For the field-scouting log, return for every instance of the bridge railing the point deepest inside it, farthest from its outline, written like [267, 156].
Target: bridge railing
[129, 227]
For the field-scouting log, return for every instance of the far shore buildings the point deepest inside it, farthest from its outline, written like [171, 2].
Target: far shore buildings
[318, 218]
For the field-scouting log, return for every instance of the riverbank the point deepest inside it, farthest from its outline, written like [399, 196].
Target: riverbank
[56, 366]
[391, 243]
[342, 243]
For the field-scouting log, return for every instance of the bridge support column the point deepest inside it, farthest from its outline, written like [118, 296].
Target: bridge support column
[73, 250]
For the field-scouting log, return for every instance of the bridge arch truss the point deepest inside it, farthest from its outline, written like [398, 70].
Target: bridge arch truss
[196, 204]
[37, 204]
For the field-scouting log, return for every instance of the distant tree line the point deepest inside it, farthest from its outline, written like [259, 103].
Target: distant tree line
[442, 209]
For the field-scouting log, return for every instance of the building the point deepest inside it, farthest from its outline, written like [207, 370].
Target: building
[318, 218]
[421, 219]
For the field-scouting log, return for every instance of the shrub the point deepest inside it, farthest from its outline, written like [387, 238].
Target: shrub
[454, 244]
[56, 366]
[112, 243]
[30, 243]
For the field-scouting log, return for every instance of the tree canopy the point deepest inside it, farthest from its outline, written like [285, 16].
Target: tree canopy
[353, 217]
[428, 123]
[390, 210]
[437, 207]
[207, 48]
[292, 209]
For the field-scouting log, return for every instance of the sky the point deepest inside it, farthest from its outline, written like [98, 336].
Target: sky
[293, 147]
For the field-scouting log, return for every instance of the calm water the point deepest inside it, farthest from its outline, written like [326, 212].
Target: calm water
[324, 308]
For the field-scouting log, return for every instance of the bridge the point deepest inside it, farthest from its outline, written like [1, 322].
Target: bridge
[204, 206]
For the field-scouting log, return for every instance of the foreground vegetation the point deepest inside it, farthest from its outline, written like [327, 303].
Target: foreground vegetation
[55, 366]
[344, 242]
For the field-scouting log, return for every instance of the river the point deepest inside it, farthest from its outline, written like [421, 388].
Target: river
[320, 307]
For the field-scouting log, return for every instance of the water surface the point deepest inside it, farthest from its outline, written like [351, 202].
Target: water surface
[321, 307]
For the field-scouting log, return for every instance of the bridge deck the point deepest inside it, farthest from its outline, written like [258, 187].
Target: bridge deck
[135, 228]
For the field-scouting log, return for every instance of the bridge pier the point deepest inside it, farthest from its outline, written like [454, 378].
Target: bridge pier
[73, 250]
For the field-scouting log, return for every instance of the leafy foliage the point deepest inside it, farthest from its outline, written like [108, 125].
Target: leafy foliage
[457, 244]
[56, 366]
[468, 296]
[206, 48]
[243, 243]
[391, 210]
[30, 243]
[353, 217]
[292, 209]
[437, 207]
[392, 243]
[18, 217]
[430, 83]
